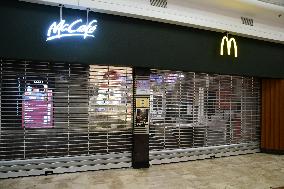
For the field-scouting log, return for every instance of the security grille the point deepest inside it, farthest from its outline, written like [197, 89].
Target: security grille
[202, 115]
[60, 115]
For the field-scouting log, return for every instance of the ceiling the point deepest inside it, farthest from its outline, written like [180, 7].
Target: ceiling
[275, 2]
[262, 11]
[217, 15]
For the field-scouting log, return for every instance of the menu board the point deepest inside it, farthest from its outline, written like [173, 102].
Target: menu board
[37, 108]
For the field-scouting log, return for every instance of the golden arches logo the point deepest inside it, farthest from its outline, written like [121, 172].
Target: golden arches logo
[229, 43]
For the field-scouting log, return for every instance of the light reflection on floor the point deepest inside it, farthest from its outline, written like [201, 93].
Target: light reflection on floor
[246, 171]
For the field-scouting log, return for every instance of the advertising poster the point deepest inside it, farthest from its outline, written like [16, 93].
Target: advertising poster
[142, 119]
[142, 104]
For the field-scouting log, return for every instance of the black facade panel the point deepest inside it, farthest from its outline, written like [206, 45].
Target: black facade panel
[140, 152]
[131, 42]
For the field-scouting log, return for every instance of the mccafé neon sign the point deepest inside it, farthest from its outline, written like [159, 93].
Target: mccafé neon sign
[76, 28]
[229, 43]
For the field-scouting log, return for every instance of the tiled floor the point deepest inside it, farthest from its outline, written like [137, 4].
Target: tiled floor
[246, 171]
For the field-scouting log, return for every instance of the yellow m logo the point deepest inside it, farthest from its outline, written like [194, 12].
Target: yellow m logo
[229, 45]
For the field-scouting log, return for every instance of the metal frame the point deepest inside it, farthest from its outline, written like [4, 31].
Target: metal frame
[33, 167]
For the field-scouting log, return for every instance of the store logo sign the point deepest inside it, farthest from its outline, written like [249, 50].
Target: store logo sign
[76, 28]
[229, 43]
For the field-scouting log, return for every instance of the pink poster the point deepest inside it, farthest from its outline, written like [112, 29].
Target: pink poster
[37, 108]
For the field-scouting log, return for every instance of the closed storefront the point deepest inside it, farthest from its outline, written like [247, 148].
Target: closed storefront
[82, 90]
[198, 116]
[56, 116]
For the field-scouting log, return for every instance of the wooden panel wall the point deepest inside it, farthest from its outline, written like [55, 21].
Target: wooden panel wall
[272, 130]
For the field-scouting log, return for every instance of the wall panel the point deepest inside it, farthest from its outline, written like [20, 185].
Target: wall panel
[272, 132]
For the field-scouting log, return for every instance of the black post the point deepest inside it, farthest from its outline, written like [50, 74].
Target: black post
[141, 102]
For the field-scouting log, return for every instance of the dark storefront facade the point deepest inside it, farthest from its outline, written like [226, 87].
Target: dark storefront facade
[135, 93]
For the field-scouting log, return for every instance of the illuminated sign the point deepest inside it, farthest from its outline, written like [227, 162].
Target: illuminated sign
[229, 43]
[76, 28]
[38, 81]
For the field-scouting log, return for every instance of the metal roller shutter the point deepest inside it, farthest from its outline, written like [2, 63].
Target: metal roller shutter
[197, 116]
[59, 117]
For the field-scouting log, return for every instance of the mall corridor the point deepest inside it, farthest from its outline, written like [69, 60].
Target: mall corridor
[261, 171]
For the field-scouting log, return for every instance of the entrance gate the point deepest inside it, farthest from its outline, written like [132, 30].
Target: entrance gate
[60, 117]
[198, 116]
